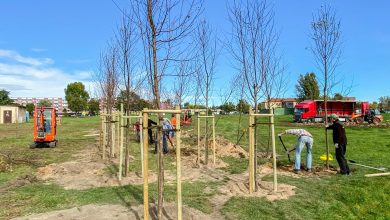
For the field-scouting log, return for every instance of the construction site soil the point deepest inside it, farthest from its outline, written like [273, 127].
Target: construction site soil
[88, 170]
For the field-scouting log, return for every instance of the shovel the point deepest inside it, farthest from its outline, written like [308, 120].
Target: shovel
[370, 167]
[287, 151]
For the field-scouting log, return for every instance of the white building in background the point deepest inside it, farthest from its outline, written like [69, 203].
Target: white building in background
[12, 114]
[59, 103]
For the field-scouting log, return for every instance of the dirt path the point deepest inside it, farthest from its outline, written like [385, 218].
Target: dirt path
[116, 212]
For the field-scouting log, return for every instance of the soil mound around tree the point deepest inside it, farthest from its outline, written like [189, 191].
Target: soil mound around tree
[116, 212]
[226, 148]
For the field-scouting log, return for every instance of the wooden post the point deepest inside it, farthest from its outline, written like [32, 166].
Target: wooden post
[121, 144]
[377, 174]
[198, 159]
[178, 166]
[112, 135]
[141, 136]
[274, 153]
[101, 132]
[145, 162]
[251, 153]
[214, 139]
[118, 135]
[104, 136]
[160, 167]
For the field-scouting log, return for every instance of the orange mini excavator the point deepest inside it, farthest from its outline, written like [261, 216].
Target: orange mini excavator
[44, 127]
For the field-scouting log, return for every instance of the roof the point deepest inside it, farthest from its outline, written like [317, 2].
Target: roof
[282, 100]
[13, 105]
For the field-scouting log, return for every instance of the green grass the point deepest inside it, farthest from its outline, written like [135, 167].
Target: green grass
[236, 165]
[336, 197]
[327, 197]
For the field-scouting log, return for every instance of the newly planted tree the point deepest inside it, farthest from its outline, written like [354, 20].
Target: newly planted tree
[207, 49]
[326, 47]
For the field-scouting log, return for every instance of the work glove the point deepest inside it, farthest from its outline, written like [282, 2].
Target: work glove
[336, 145]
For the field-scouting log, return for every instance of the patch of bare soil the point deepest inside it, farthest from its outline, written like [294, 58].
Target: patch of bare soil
[226, 148]
[87, 170]
[316, 171]
[116, 212]
[19, 182]
[194, 171]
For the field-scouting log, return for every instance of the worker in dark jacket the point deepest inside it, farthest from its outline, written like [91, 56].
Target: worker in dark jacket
[150, 133]
[340, 143]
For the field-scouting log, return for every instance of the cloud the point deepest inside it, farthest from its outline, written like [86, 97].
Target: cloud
[38, 50]
[37, 78]
[13, 87]
[15, 56]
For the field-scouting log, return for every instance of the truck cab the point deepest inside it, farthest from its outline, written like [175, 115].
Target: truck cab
[304, 111]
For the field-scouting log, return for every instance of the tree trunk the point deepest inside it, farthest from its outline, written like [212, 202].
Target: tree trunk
[326, 114]
[156, 93]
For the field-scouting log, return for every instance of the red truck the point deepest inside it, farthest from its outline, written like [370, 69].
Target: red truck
[347, 110]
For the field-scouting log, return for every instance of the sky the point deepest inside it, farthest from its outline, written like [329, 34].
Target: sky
[44, 45]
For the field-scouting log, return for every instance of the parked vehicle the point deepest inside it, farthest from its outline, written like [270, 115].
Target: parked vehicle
[347, 110]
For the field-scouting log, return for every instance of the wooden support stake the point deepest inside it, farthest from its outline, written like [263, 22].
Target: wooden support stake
[121, 145]
[104, 137]
[251, 154]
[214, 140]
[112, 135]
[377, 174]
[145, 162]
[198, 159]
[178, 166]
[118, 135]
[101, 133]
[141, 136]
[274, 153]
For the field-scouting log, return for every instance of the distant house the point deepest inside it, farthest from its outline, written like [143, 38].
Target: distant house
[12, 114]
[279, 103]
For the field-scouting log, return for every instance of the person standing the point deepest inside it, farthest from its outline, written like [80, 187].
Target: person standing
[173, 120]
[340, 143]
[150, 133]
[304, 139]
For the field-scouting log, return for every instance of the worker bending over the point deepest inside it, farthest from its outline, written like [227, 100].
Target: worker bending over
[304, 138]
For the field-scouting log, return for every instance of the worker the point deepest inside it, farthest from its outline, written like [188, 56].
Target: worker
[169, 134]
[304, 138]
[166, 136]
[150, 133]
[173, 120]
[340, 143]
[137, 128]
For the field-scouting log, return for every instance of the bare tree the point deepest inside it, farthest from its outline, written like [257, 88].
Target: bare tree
[107, 79]
[254, 48]
[326, 39]
[164, 26]
[126, 41]
[181, 87]
[206, 59]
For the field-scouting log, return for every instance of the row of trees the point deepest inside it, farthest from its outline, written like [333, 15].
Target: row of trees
[165, 47]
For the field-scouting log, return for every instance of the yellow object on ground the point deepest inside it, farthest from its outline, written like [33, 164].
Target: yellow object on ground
[323, 157]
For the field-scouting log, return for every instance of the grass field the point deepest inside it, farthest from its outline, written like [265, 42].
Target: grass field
[324, 197]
